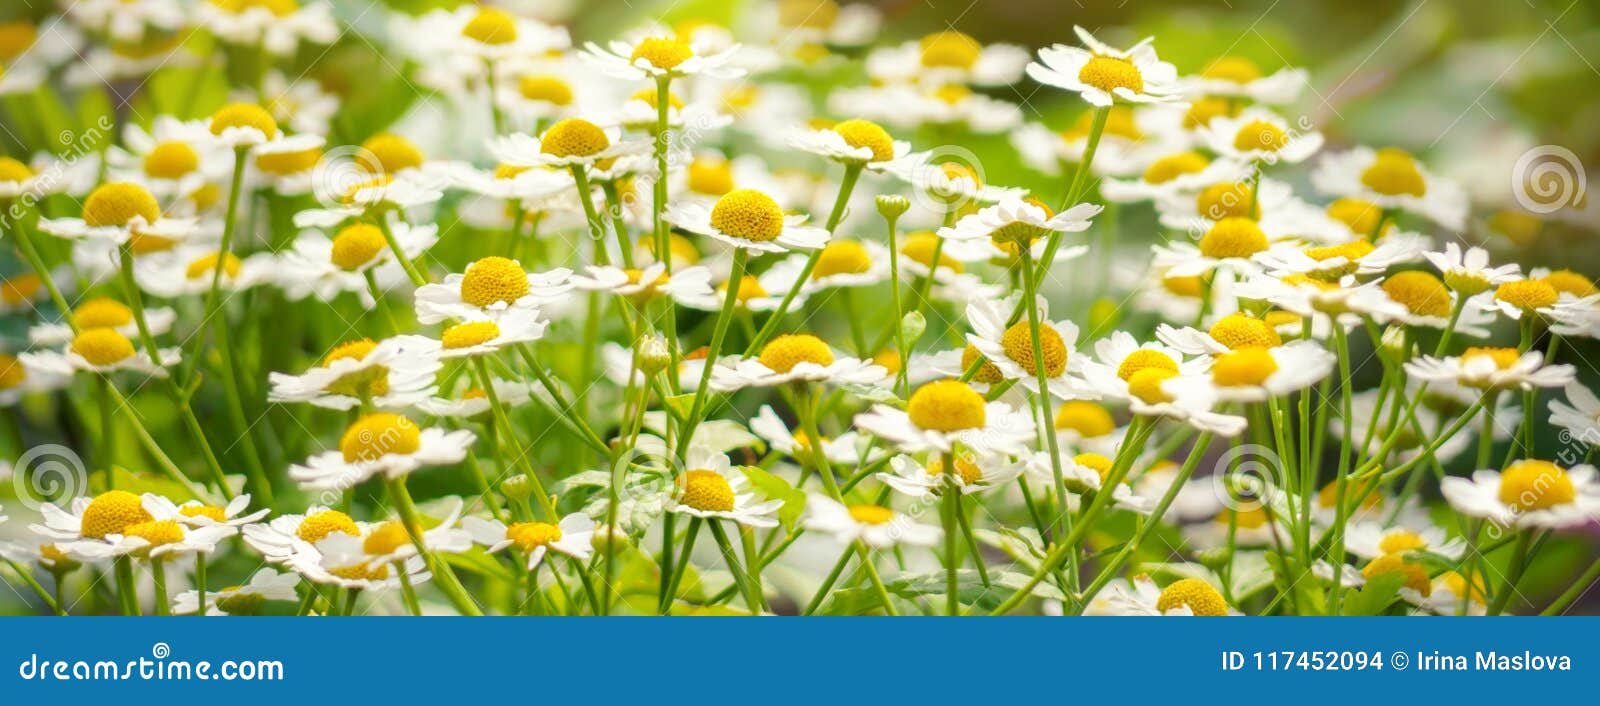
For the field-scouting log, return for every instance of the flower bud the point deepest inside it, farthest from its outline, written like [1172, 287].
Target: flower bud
[893, 207]
[654, 356]
[517, 487]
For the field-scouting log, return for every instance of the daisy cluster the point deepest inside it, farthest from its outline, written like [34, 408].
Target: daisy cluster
[603, 304]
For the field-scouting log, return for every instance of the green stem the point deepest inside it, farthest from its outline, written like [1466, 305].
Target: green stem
[719, 333]
[444, 576]
[852, 173]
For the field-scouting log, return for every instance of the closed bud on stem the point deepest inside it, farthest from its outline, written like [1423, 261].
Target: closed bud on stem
[893, 207]
[654, 356]
[517, 487]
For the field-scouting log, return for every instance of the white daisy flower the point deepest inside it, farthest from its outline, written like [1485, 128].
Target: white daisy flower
[1392, 179]
[1156, 391]
[1260, 135]
[569, 142]
[470, 401]
[619, 364]
[661, 57]
[1009, 349]
[103, 312]
[1492, 369]
[795, 358]
[265, 584]
[860, 143]
[1469, 271]
[188, 271]
[944, 413]
[197, 513]
[277, 28]
[484, 335]
[1102, 74]
[101, 350]
[1229, 245]
[712, 490]
[1014, 220]
[1185, 597]
[847, 448]
[128, 20]
[381, 444]
[948, 57]
[746, 218]
[325, 268]
[1173, 174]
[691, 283]
[572, 537]
[1253, 374]
[842, 263]
[1536, 297]
[973, 474]
[812, 22]
[509, 182]
[1527, 493]
[1579, 415]
[1119, 356]
[1250, 526]
[285, 537]
[393, 373]
[339, 560]
[169, 159]
[1428, 302]
[490, 287]
[374, 197]
[952, 185]
[20, 378]
[874, 525]
[1309, 296]
[1370, 540]
[909, 107]
[117, 212]
[1238, 77]
[119, 523]
[1085, 473]
[44, 176]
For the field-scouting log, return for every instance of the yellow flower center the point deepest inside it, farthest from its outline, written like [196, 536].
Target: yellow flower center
[206, 265]
[211, 512]
[1243, 331]
[317, 526]
[988, 373]
[951, 93]
[372, 381]
[1243, 367]
[278, 8]
[842, 257]
[1195, 594]
[889, 359]
[379, 434]
[1247, 518]
[748, 214]
[467, 335]
[871, 514]
[1236, 69]
[1228, 199]
[286, 163]
[1017, 342]
[966, 468]
[144, 244]
[1203, 110]
[1519, 227]
[1527, 294]
[1144, 359]
[356, 245]
[1260, 135]
[950, 49]
[1108, 73]
[392, 152]
[156, 532]
[118, 203]
[662, 52]
[947, 405]
[683, 251]
[112, 512]
[812, 14]
[1419, 292]
[711, 176]
[864, 133]
[529, 536]
[1458, 586]
[1503, 357]
[1088, 419]
[749, 288]
[102, 346]
[362, 572]
[1173, 166]
[1095, 462]
[704, 490]
[1394, 173]
[1569, 282]
[1352, 252]
[784, 352]
[550, 89]
[493, 280]
[1535, 485]
[919, 247]
[1145, 385]
[21, 288]
[1415, 575]
[12, 374]
[1233, 237]
[16, 38]
[649, 96]
[491, 26]
[1362, 216]
[244, 115]
[13, 171]
[1401, 541]
[170, 160]
[101, 312]
[385, 539]
[573, 137]
[1184, 286]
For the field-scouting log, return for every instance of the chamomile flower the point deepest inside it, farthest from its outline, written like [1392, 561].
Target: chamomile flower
[1452, 596]
[860, 143]
[1254, 373]
[188, 271]
[795, 358]
[484, 335]
[691, 283]
[508, 182]
[100, 350]
[874, 525]
[340, 560]
[1428, 302]
[1344, 299]
[713, 490]
[285, 537]
[381, 444]
[1102, 74]
[661, 56]
[973, 473]
[393, 373]
[1230, 245]
[1119, 356]
[573, 537]
[1492, 369]
[1007, 351]
[1238, 77]
[638, 112]
[952, 185]
[91, 519]
[1186, 597]
[1527, 494]
[1330, 262]
[103, 312]
[168, 159]
[119, 523]
[20, 378]
[265, 585]
[323, 267]
[1085, 473]
[843, 449]
[944, 413]
[1157, 391]
[1247, 525]
[1172, 174]
[948, 57]
[1532, 297]
[118, 212]
[468, 401]
[1015, 221]
[490, 287]
[45, 176]
[1579, 415]
[1371, 540]
[1087, 426]
[276, 26]
[1468, 271]
[750, 219]
[128, 20]
[842, 263]
[568, 142]
[197, 513]
[492, 34]
[1391, 178]
[1259, 135]
[620, 368]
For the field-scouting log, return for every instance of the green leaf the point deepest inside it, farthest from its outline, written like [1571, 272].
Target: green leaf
[1375, 597]
[912, 326]
[776, 488]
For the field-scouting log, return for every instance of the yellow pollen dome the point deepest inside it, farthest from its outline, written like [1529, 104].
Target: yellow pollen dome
[781, 354]
[1143, 359]
[1145, 385]
[1394, 173]
[16, 38]
[379, 184]
[1088, 419]
[1362, 216]
[1527, 294]
[144, 244]
[170, 160]
[988, 373]
[509, 171]
[117, 203]
[950, 49]
[1095, 462]
[1415, 575]
[206, 266]
[649, 96]
[871, 514]
[1535, 485]
[286, 163]
[210, 512]
[1108, 73]
[244, 115]
[1228, 199]
[13, 171]
[1353, 250]
[748, 214]
[1503, 357]
[662, 52]
[368, 382]
[749, 288]
[1017, 342]
[1251, 517]
[1244, 331]
[951, 93]
[102, 346]
[966, 468]
[1191, 287]
[635, 275]
[1236, 69]
[842, 257]
[1419, 292]
[1195, 594]
[1569, 282]
[1233, 237]
[467, 335]
[12, 374]
[704, 490]
[1458, 586]
[543, 87]
[111, 512]
[493, 280]
[362, 572]
[379, 434]
[491, 26]
[1401, 541]
[156, 532]
[1173, 166]
[1244, 367]
[812, 14]
[1260, 135]
[356, 245]
[860, 133]
[318, 526]
[573, 137]
[712, 176]
[919, 247]
[947, 405]
[889, 359]
[529, 536]
[392, 152]
[1278, 318]
[278, 8]
[385, 539]
[101, 312]
[1203, 110]
[957, 170]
